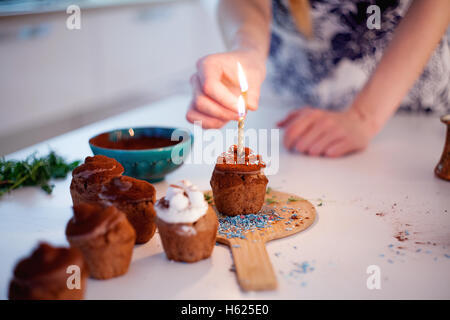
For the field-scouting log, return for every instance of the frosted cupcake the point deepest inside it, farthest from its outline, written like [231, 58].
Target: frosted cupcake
[105, 238]
[187, 224]
[88, 178]
[44, 275]
[239, 188]
[135, 198]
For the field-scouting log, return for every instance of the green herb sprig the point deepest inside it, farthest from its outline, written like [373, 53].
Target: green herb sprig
[208, 198]
[33, 171]
[271, 200]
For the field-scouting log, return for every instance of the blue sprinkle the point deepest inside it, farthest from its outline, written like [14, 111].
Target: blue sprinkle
[304, 267]
[390, 246]
[381, 255]
[236, 246]
[447, 256]
[237, 226]
[390, 261]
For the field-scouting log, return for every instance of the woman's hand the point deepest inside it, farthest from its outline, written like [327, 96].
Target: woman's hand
[216, 87]
[327, 133]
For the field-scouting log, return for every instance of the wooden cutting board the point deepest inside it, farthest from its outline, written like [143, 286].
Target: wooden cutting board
[253, 267]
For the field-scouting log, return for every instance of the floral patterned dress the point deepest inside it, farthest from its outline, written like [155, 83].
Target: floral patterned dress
[328, 71]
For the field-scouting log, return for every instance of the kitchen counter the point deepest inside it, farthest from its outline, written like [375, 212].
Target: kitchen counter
[381, 207]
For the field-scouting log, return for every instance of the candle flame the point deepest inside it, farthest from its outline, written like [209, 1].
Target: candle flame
[241, 106]
[131, 132]
[242, 78]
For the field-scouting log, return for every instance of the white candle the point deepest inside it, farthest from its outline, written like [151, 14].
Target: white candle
[242, 110]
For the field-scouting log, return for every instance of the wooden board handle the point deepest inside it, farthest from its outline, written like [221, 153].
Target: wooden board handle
[253, 267]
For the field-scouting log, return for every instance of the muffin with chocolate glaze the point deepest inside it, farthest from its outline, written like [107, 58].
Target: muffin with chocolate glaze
[44, 275]
[238, 186]
[135, 198]
[88, 178]
[105, 238]
[187, 224]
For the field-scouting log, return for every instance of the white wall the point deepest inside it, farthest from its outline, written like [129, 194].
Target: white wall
[120, 55]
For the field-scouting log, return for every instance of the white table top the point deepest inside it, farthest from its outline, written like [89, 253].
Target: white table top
[393, 177]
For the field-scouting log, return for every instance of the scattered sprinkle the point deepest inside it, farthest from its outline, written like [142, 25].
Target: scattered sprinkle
[237, 226]
[303, 267]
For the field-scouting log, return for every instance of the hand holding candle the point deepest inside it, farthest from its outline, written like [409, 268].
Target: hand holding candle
[216, 87]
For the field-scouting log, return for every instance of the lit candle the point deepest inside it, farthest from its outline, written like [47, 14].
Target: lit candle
[242, 109]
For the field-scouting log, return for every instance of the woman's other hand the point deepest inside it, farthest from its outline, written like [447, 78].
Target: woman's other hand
[216, 88]
[326, 133]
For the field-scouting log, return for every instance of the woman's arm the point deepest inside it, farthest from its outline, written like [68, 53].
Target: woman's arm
[403, 61]
[245, 26]
[334, 134]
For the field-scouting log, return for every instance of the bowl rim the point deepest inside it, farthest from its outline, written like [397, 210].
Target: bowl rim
[190, 140]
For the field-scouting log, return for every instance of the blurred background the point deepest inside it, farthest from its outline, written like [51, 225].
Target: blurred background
[126, 54]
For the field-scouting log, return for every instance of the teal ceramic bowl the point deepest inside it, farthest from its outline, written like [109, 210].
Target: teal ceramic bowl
[147, 164]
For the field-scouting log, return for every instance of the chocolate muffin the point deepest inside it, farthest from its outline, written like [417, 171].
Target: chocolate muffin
[135, 198]
[238, 186]
[105, 238]
[187, 225]
[88, 178]
[45, 275]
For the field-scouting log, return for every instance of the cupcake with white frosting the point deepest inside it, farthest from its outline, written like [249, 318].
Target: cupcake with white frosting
[187, 224]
